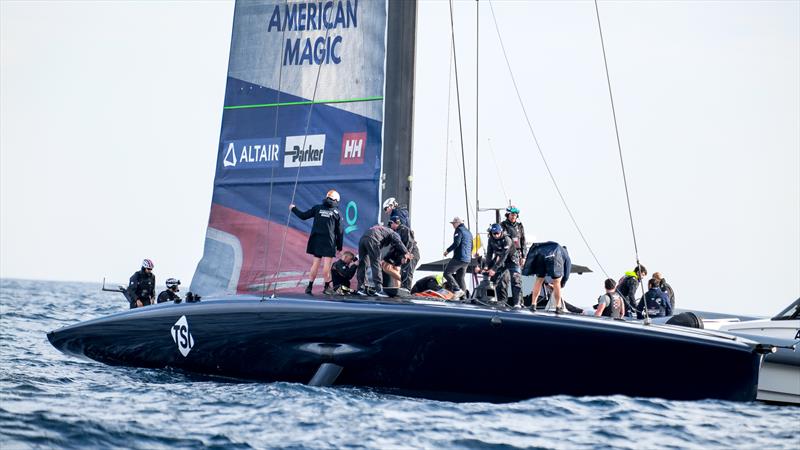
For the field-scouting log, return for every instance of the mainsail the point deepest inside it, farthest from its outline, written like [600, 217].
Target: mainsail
[303, 114]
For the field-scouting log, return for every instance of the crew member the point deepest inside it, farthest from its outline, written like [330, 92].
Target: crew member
[394, 209]
[655, 300]
[142, 287]
[514, 229]
[503, 263]
[325, 239]
[610, 304]
[548, 259]
[429, 283]
[407, 236]
[344, 270]
[171, 293]
[369, 250]
[664, 286]
[627, 287]
[462, 255]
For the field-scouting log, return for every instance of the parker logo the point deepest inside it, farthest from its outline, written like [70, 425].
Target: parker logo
[182, 337]
[251, 153]
[354, 145]
[304, 151]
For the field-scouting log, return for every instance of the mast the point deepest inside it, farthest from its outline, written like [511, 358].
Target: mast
[477, 109]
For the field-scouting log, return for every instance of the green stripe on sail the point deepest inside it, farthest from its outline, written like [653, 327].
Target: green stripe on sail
[305, 102]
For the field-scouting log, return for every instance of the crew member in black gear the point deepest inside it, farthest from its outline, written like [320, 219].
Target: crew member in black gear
[344, 270]
[429, 283]
[171, 293]
[325, 238]
[369, 250]
[407, 236]
[627, 287]
[142, 287]
[502, 257]
[514, 229]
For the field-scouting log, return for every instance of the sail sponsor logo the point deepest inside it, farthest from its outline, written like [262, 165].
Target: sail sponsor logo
[251, 153]
[353, 147]
[182, 337]
[304, 151]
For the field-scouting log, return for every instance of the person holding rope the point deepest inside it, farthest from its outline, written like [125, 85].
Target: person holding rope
[503, 264]
[325, 239]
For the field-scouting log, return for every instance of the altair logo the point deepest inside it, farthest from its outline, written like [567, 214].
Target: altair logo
[304, 151]
[251, 153]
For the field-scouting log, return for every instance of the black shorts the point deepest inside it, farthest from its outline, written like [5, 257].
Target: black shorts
[548, 266]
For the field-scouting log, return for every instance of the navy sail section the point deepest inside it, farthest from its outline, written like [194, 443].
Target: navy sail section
[303, 114]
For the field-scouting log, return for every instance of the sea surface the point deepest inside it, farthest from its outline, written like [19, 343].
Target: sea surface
[50, 400]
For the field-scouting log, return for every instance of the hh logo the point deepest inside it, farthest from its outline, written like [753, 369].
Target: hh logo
[182, 337]
[353, 147]
[304, 151]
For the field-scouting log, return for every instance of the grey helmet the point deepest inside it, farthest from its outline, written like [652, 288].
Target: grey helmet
[172, 282]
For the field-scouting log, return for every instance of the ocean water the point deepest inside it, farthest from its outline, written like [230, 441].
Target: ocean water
[50, 400]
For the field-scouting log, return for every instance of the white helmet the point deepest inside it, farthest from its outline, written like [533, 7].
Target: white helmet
[172, 282]
[390, 203]
[147, 264]
[333, 195]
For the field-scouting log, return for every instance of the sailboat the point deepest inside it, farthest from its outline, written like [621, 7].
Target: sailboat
[320, 95]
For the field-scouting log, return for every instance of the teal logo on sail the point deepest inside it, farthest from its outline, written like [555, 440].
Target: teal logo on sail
[351, 221]
[251, 153]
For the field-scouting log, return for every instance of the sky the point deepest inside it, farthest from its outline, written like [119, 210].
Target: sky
[110, 115]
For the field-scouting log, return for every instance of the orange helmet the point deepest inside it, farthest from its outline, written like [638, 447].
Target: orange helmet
[333, 195]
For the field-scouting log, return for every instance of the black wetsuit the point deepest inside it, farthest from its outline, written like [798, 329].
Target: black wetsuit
[168, 296]
[142, 287]
[503, 258]
[407, 269]
[326, 233]
[369, 249]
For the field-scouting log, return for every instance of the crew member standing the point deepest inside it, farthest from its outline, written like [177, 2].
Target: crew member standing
[142, 286]
[393, 209]
[514, 229]
[369, 249]
[503, 263]
[462, 255]
[325, 239]
[407, 236]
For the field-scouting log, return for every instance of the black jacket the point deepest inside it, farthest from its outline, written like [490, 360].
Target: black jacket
[326, 233]
[342, 273]
[142, 286]
[385, 237]
[407, 236]
[168, 296]
[516, 232]
[501, 253]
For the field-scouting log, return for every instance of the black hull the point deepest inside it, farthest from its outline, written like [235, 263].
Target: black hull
[443, 352]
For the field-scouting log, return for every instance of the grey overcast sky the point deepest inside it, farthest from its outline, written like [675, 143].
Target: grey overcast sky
[110, 117]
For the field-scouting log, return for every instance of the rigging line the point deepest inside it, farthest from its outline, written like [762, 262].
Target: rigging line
[272, 174]
[536, 141]
[447, 142]
[458, 101]
[297, 176]
[619, 149]
[497, 168]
